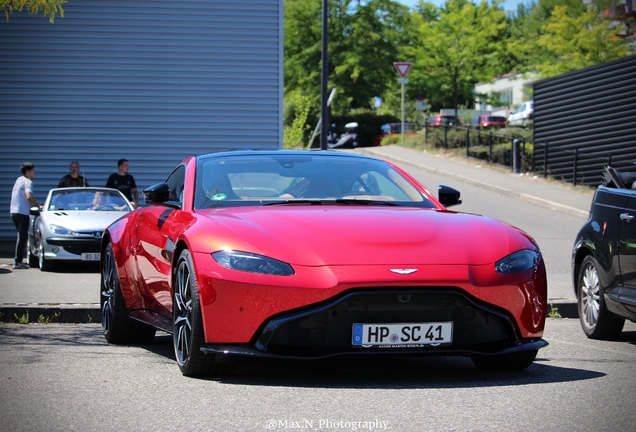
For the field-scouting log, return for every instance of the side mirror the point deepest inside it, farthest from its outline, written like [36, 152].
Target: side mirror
[448, 196]
[157, 193]
[34, 211]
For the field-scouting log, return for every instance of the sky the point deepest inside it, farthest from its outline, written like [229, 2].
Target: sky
[508, 4]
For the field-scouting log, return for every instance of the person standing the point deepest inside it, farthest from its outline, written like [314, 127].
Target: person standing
[124, 182]
[21, 201]
[73, 178]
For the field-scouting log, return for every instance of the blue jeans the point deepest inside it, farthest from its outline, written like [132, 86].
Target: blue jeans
[21, 223]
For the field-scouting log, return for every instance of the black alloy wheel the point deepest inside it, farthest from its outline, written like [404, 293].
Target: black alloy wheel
[188, 336]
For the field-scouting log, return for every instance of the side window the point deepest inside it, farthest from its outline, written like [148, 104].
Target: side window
[176, 181]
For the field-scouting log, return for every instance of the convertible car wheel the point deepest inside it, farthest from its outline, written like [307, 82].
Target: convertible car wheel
[117, 326]
[188, 337]
[43, 263]
[596, 320]
[506, 362]
[32, 256]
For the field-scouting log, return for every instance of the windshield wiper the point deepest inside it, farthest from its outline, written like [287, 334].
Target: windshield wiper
[314, 201]
[331, 201]
[365, 202]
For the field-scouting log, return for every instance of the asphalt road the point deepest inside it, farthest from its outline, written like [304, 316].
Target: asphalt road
[65, 377]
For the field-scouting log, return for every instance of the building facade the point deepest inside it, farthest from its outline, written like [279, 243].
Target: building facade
[511, 90]
[150, 81]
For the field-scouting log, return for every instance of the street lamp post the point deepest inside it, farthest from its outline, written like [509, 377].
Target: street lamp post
[324, 106]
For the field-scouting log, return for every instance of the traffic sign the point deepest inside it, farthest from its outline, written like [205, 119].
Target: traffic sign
[403, 68]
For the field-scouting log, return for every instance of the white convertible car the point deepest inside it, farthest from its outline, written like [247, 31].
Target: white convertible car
[70, 225]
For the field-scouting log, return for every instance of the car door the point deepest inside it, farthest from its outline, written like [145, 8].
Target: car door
[627, 254]
[157, 231]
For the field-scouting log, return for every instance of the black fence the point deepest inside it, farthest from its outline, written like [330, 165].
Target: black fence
[495, 146]
[576, 166]
[584, 120]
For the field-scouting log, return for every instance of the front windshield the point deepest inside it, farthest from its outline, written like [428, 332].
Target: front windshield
[270, 179]
[87, 199]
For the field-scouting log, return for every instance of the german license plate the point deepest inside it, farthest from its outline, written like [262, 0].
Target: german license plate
[95, 256]
[411, 335]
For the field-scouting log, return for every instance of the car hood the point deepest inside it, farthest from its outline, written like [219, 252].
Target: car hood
[362, 235]
[81, 221]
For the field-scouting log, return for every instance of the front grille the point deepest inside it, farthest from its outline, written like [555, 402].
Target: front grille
[327, 329]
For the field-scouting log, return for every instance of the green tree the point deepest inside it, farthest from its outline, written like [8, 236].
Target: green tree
[579, 40]
[48, 7]
[363, 39]
[457, 46]
[296, 127]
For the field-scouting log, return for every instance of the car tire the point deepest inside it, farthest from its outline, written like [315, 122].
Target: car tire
[32, 258]
[597, 322]
[506, 362]
[188, 336]
[117, 326]
[44, 264]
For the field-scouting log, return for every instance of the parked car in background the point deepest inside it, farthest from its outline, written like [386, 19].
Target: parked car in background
[488, 122]
[604, 258]
[316, 254]
[522, 116]
[70, 225]
[438, 120]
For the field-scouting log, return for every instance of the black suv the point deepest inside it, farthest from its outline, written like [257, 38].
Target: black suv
[604, 258]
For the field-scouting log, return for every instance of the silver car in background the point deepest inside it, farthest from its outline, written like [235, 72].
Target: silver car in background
[70, 225]
[523, 116]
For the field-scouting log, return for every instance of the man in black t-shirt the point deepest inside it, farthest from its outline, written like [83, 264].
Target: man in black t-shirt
[124, 182]
[73, 178]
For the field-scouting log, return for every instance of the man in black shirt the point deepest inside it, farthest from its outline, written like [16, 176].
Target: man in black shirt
[124, 182]
[73, 178]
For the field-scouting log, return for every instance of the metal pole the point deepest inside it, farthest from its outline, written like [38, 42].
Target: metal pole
[324, 108]
[467, 141]
[402, 113]
[515, 156]
[318, 129]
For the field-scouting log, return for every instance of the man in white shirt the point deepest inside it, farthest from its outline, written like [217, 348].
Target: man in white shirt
[21, 201]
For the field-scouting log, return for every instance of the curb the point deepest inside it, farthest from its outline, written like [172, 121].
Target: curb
[521, 196]
[50, 313]
[91, 314]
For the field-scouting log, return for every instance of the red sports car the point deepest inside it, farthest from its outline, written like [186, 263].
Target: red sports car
[311, 254]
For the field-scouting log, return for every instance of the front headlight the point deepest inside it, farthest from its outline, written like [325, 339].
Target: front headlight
[253, 263]
[517, 262]
[56, 229]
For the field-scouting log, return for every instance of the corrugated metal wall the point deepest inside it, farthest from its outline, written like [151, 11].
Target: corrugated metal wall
[588, 119]
[147, 80]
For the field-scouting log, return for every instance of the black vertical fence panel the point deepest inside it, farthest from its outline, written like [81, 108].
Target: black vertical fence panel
[584, 120]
